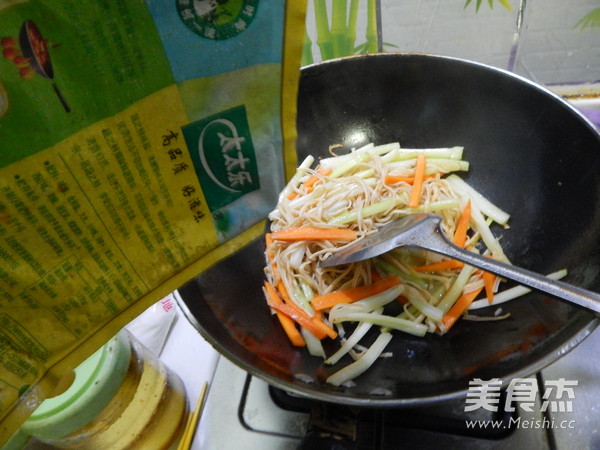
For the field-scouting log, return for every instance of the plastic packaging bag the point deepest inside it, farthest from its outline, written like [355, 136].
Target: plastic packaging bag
[141, 143]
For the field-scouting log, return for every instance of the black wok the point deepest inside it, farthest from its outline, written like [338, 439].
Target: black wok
[35, 48]
[530, 152]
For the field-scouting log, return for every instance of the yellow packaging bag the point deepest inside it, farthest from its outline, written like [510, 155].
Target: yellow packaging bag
[140, 143]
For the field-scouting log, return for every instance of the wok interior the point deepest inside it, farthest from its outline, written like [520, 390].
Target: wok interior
[530, 153]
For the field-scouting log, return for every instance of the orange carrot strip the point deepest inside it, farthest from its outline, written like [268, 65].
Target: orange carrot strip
[313, 324]
[283, 292]
[393, 179]
[489, 279]
[353, 294]
[268, 240]
[462, 226]
[286, 322]
[301, 317]
[461, 305]
[293, 312]
[317, 318]
[442, 265]
[324, 327]
[417, 187]
[310, 182]
[313, 234]
[289, 326]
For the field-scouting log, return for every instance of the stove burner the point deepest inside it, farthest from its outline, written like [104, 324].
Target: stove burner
[370, 428]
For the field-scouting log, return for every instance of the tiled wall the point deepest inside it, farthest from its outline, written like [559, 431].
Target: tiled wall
[547, 46]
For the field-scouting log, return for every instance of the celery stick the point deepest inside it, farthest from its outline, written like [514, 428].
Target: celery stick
[433, 206]
[415, 298]
[370, 148]
[367, 211]
[349, 165]
[393, 270]
[403, 154]
[359, 332]
[365, 173]
[301, 299]
[417, 329]
[457, 288]
[300, 171]
[367, 359]
[512, 293]
[366, 305]
[313, 344]
[481, 226]
[485, 206]
[439, 165]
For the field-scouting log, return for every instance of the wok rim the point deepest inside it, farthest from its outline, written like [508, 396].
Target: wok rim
[342, 399]
[380, 401]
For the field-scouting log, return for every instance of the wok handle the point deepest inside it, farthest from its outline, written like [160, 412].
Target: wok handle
[582, 297]
[61, 98]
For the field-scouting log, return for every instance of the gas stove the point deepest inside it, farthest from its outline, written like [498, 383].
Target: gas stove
[244, 410]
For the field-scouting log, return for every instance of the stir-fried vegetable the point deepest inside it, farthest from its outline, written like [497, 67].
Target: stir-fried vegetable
[350, 196]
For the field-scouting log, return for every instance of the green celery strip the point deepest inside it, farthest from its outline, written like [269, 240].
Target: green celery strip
[367, 211]
[512, 293]
[393, 270]
[359, 332]
[417, 329]
[403, 154]
[433, 206]
[313, 344]
[349, 165]
[485, 206]
[300, 171]
[371, 149]
[457, 288]
[366, 360]
[415, 298]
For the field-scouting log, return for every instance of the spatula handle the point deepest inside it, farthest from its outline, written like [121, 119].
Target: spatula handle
[582, 297]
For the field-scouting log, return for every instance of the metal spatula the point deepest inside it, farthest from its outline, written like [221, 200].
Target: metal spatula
[423, 231]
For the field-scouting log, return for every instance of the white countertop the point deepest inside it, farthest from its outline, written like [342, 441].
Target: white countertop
[194, 360]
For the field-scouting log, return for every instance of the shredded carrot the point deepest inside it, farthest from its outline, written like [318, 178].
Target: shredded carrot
[313, 234]
[310, 182]
[462, 226]
[283, 292]
[324, 327]
[299, 316]
[417, 187]
[268, 240]
[317, 318]
[312, 324]
[287, 323]
[268, 244]
[489, 279]
[442, 265]
[353, 294]
[393, 179]
[461, 305]
[308, 185]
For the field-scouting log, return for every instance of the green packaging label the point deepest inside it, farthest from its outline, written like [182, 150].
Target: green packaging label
[223, 155]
